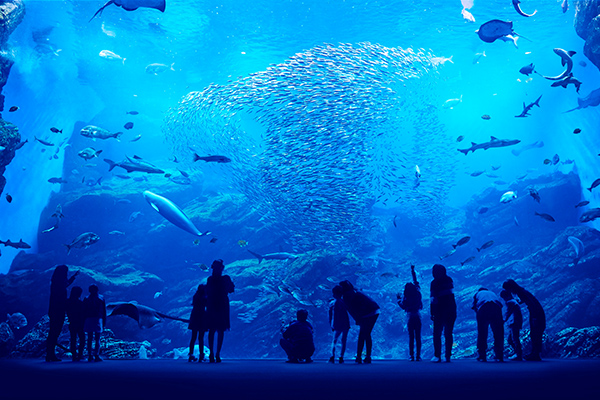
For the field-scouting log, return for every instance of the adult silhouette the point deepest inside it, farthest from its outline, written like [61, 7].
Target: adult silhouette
[57, 308]
[218, 286]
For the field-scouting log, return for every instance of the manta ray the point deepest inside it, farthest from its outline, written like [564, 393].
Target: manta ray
[145, 316]
[132, 5]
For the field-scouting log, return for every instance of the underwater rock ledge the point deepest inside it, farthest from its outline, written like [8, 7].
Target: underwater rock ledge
[587, 26]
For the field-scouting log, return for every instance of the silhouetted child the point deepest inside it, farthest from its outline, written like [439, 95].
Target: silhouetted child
[514, 322]
[537, 318]
[365, 312]
[443, 312]
[488, 309]
[76, 320]
[339, 322]
[198, 322]
[95, 319]
[411, 302]
[298, 339]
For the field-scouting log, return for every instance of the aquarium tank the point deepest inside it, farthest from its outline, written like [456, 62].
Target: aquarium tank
[304, 143]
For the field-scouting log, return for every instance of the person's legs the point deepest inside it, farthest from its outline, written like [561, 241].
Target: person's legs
[370, 323]
[81, 335]
[192, 343]
[537, 333]
[201, 345]
[211, 342]
[73, 344]
[515, 338]
[449, 338]
[344, 340]
[360, 343]
[482, 334]
[89, 346]
[438, 326]
[289, 350]
[497, 325]
[336, 335]
[56, 324]
[418, 337]
[221, 334]
[97, 346]
[411, 339]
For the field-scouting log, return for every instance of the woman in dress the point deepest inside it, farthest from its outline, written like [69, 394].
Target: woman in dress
[218, 286]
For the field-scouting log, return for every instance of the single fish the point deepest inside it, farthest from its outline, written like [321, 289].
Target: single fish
[508, 197]
[217, 159]
[119, 233]
[516, 221]
[590, 215]
[132, 112]
[482, 210]
[171, 212]
[577, 131]
[451, 103]
[180, 180]
[565, 59]
[594, 184]
[467, 16]
[109, 55]
[45, 143]
[477, 173]
[89, 153]
[462, 241]
[157, 295]
[274, 256]
[9, 198]
[57, 180]
[55, 130]
[448, 254]
[242, 243]
[460, 138]
[583, 63]
[478, 56]
[468, 260]
[564, 6]
[130, 166]
[58, 212]
[547, 217]
[526, 109]
[486, 117]
[528, 69]
[493, 143]
[16, 320]
[534, 193]
[213, 240]
[16, 245]
[555, 159]
[128, 125]
[21, 144]
[13, 109]
[134, 215]
[135, 139]
[156, 69]
[582, 204]
[516, 4]
[486, 245]
[94, 132]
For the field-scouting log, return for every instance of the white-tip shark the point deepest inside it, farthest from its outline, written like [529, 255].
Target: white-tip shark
[273, 256]
[172, 213]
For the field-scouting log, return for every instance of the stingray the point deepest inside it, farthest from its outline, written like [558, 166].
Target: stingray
[518, 9]
[591, 100]
[132, 5]
[145, 316]
[496, 29]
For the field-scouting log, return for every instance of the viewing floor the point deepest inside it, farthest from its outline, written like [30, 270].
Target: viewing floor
[274, 379]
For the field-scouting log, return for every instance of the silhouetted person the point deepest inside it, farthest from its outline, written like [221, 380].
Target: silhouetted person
[76, 319]
[443, 311]
[411, 302]
[339, 322]
[198, 322]
[514, 322]
[488, 309]
[537, 318]
[218, 286]
[94, 309]
[365, 312]
[57, 308]
[298, 339]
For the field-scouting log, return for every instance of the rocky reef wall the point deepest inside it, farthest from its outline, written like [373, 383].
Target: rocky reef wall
[587, 26]
[12, 13]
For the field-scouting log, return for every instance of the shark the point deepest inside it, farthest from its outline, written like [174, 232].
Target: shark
[565, 59]
[591, 100]
[570, 79]
[131, 165]
[172, 213]
[145, 316]
[518, 9]
[494, 142]
[526, 109]
[273, 256]
[132, 5]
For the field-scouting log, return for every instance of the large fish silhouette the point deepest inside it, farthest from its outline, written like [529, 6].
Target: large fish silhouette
[145, 316]
[172, 213]
[132, 5]
[591, 100]
[496, 29]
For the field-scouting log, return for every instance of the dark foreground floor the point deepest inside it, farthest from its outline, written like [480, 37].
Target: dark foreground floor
[272, 379]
